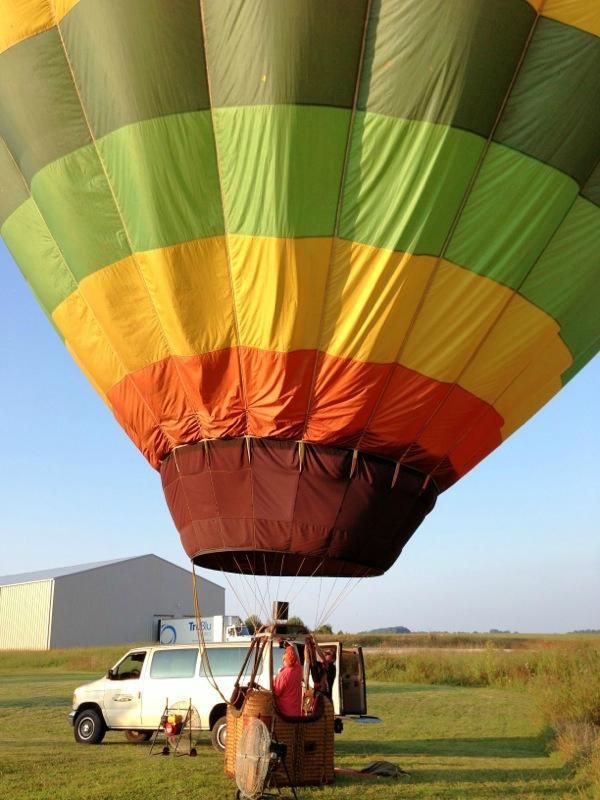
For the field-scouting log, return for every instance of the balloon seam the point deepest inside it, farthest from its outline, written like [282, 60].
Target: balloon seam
[225, 216]
[127, 376]
[338, 213]
[133, 254]
[446, 243]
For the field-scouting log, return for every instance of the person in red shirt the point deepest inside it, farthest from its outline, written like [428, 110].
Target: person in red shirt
[287, 685]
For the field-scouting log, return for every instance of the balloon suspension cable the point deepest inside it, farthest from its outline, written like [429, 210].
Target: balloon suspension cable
[315, 626]
[253, 580]
[346, 591]
[259, 604]
[267, 590]
[293, 581]
[243, 605]
[263, 603]
[201, 642]
[279, 579]
[319, 622]
[328, 599]
[253, 573]
[263, 589]
[247, 581]
[312, 575]
[241, 588]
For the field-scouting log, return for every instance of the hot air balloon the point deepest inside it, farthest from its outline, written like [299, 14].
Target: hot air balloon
[320, 257]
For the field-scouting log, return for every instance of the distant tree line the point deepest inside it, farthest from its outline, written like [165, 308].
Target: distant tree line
[393, 629]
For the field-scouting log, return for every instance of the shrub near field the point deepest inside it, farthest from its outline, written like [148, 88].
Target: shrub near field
[468, 641]
[565, 681]
[487, 668]
[568, 693]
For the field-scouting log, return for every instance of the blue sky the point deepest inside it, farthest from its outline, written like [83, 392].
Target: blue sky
[515, 545]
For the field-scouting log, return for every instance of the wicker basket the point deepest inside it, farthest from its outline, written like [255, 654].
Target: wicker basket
[309, 740]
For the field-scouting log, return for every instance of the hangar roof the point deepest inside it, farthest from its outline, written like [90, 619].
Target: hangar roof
[59, 572]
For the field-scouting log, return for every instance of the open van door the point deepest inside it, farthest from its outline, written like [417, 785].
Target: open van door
[351, 681]
[349, 691]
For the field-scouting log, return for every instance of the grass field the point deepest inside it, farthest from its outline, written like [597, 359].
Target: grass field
[457, 742]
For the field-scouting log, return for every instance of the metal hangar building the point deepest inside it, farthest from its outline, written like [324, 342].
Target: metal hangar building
[109, 602]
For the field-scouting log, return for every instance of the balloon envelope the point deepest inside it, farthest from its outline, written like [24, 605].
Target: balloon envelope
[319, 257]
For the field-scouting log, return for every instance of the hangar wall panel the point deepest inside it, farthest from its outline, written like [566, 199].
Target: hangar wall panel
[25, 615]
[121, 603]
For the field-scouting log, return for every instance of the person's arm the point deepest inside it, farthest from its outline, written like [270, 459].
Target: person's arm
[318, 650]
[276, 685]
[331, 673]
[279, 682]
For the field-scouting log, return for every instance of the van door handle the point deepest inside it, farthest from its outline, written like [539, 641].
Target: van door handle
[122, 698]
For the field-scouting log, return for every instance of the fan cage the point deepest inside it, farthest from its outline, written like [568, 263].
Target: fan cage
[252, 759]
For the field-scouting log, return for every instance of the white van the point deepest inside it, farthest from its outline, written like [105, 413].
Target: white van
[133, 695]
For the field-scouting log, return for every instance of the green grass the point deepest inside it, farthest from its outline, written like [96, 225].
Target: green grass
[457, 742]
[82, 659]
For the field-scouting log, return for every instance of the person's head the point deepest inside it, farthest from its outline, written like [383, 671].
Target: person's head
[329, 656]
[289, 657]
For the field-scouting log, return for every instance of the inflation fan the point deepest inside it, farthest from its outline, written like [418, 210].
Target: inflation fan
[252, 760]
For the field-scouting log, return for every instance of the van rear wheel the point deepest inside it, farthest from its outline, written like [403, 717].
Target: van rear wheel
[138, 736]
[218, 734]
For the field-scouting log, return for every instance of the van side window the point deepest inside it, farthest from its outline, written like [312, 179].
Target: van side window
[173, 663]
[130, 668]
[224, 661]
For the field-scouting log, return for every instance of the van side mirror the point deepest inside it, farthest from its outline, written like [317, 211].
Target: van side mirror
[111, 674]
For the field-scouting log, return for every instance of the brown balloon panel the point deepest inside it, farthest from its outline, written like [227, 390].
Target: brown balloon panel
[274, 507]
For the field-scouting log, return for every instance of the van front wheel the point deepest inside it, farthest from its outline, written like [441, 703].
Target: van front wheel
[89, 727]
[218, 734]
